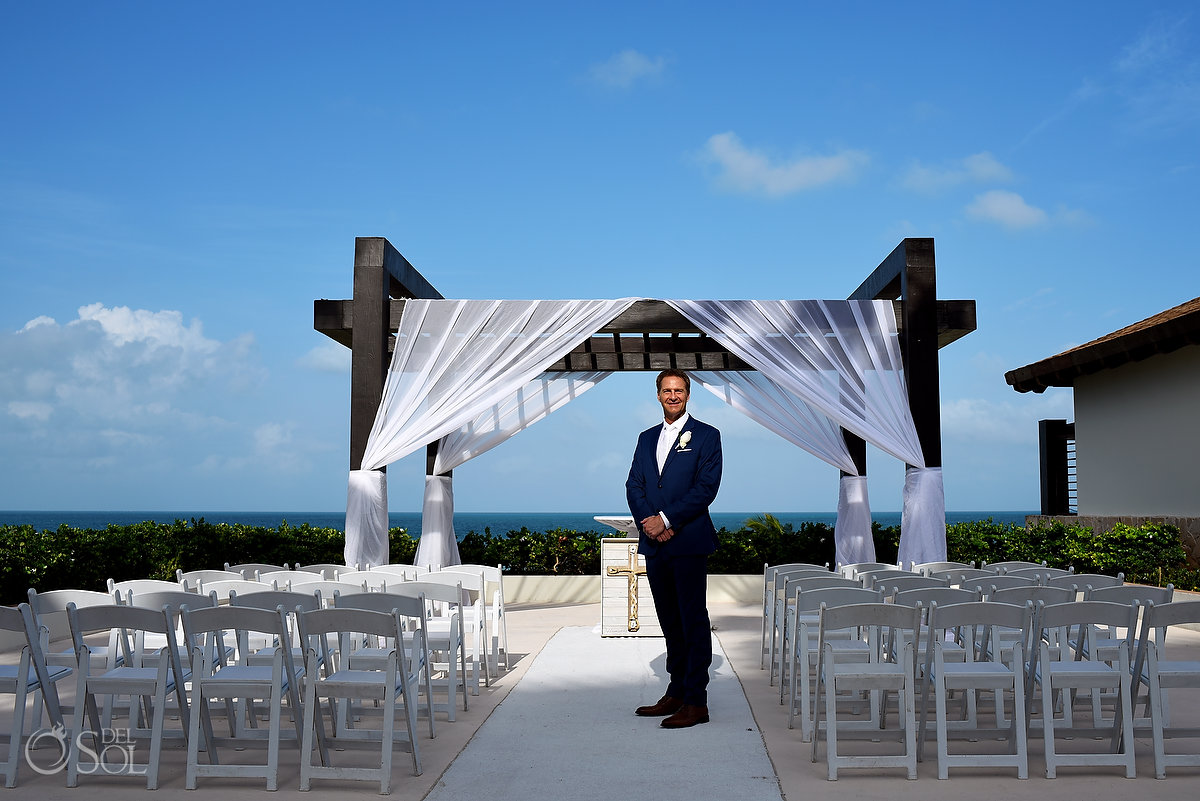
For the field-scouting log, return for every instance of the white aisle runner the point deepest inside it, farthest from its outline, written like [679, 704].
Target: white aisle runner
[567, 731]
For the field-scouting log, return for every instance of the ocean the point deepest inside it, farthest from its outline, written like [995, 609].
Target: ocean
[464, 522]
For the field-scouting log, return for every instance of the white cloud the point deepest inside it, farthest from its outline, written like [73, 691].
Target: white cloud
[328, 357]
[1156, 45]
[753, 172]
[626, 68]
[984, 422]
[1007, 208]
[978, 168]
[114, 370]
[30, 410]
[272, 438]
[36, 321]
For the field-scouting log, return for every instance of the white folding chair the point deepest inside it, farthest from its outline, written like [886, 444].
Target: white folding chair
[327, 570]
[1040, 574]
[414, 636]
[474, 621]
[1005, 567]
[883, 672]
[50, 616]
[803, 656]
[893, 581]
[1165, 674]
[1095, 673]
[32, 678]
[395, 681]
[190, 580]
[148, 687]
[249, 569]
[225, 587]
[215, 677]
[447, 646]
[493, 575]
[790, 583]
[282, 578]
[373, 580]
[325, 588]
[974, 667]
[769, 598]
[928, 568]
[143, 585]
[406, 572]
[1083, 582]
[1136, 597]
[854, 568]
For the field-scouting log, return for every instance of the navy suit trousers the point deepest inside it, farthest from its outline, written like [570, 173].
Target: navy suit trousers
[679, 585]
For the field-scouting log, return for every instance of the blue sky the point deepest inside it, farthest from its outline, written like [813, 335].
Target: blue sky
[178, 183]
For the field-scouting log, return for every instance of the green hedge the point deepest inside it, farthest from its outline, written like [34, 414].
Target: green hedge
[86, 558]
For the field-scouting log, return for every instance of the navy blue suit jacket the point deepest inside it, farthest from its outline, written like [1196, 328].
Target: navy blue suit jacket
[687, 487]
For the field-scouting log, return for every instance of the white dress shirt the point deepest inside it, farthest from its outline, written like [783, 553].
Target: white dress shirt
[667, 438]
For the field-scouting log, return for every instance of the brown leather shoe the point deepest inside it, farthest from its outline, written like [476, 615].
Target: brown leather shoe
[665, 706]
[688, 715]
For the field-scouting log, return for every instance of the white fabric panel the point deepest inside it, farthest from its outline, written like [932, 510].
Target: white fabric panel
[923, 520]
[841, 357]
[545, 394]
[531, 403]
[455, 359]
[366, 519]
[438, 547]
[767, 403]
[852, 533]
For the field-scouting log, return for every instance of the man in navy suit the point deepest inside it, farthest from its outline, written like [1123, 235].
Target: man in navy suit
[674, 478]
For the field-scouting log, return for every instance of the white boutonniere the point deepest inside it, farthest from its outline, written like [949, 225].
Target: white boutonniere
[684, 439]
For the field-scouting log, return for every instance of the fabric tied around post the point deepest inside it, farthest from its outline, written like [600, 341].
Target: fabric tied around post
[366, 517]
[438, 547]
[852, 531]
[923, 521]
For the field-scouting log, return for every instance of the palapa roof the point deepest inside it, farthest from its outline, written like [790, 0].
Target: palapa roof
[1164, 332]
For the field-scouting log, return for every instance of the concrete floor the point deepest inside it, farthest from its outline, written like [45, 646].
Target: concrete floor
[737, 626]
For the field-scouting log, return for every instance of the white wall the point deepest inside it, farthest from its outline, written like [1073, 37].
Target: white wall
[1137, 437]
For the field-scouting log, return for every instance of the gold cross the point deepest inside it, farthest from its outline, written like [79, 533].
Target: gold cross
[633, 570]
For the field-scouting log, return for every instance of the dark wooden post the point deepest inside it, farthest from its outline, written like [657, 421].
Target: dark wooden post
[380, 273]
[858, 451]
[369, 348]
[909, 273]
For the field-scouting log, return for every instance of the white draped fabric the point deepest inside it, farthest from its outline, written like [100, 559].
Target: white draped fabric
[438, 546]
[453, 361]
[852, 533]
[842, 358]
[366, 506]
[923, 518]
[765, 402]
[533, 402]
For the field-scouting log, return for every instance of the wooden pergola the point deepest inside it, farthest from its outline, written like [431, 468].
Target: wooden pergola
[650, 336]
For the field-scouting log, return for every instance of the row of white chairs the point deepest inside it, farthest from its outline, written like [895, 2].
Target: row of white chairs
[233, 578]
[777, 591]
[971, 648]
[212, 652]
[792, 613]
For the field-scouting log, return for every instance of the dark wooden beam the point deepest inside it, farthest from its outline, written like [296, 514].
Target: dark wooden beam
[335, 319]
